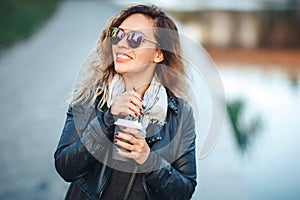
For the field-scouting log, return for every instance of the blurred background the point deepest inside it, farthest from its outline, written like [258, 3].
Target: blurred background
[255, 45]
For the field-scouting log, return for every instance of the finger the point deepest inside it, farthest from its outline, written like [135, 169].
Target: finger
[125, 110]
[137, 95]
[134, 132]
[128, 137]
[140, 158]
[133, 155]
[137, 102]
[118, 107]
[130, 101]
[124, 145]
[124, 153]
[135, 109]
[132, 93]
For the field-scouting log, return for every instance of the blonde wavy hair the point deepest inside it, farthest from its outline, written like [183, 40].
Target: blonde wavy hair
[100, 70]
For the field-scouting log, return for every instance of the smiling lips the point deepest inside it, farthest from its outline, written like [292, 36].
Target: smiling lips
[122, 57]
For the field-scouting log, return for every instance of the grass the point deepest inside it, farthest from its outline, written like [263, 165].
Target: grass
[21, 18]
[243, 132]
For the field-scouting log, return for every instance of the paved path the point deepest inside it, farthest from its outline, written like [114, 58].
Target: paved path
[35, 77]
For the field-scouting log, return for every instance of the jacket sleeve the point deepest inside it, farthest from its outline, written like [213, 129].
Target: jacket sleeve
[176, 180]
[76, 152]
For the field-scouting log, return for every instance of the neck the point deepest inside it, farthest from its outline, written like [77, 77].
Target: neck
[138, 83]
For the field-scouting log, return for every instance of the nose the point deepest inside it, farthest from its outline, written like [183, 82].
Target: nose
[123, 43]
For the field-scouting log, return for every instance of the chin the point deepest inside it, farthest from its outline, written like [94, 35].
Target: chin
[120, 69]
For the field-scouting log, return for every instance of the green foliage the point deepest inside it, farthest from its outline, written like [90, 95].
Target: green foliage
[20, 18]
[244, 132]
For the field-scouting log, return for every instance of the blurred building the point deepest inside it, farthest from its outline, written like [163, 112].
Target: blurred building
[264, 32]
[241, 23]
[242, 31]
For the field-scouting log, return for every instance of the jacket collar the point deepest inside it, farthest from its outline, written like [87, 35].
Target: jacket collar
[173, 103]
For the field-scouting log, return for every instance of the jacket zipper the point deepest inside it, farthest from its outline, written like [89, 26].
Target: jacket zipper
[145, 187]
[130, 184]
[100, 185]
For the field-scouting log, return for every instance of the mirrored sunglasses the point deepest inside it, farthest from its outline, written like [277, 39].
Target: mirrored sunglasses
[134, 38]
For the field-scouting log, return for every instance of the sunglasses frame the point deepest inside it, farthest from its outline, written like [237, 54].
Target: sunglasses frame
[127, 35]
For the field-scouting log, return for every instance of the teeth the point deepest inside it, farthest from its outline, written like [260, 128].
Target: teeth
[122, 56]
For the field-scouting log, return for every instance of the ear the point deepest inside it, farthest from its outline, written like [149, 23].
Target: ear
[158, 57]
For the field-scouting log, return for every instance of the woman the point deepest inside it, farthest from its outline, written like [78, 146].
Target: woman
[136, 72]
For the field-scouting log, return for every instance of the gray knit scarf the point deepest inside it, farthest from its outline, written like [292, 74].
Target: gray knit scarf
[155, 101]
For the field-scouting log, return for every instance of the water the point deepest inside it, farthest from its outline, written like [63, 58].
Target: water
[272, 163]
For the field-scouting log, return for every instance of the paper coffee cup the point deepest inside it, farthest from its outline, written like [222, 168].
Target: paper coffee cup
[119, 124]
[129, 124]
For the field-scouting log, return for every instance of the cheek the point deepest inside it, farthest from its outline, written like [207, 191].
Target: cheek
[113, 51]
[145, 55]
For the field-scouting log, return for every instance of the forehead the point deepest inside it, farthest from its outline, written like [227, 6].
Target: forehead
[139, 22]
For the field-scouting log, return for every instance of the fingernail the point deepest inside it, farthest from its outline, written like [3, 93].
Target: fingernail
[117, 150]
[115, 141]
[117, 133]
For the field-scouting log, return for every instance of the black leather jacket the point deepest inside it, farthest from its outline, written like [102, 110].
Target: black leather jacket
[174, 175]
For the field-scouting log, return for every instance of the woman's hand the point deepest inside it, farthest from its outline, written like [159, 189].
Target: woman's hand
[128, 103]
[132, 140]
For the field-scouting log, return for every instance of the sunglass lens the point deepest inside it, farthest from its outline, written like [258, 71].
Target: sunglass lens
[135, 39]
[116, 35]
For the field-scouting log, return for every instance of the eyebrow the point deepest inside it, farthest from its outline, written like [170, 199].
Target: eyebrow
[130, 30]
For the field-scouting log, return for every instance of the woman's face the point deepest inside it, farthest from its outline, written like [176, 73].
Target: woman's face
[140, 60]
